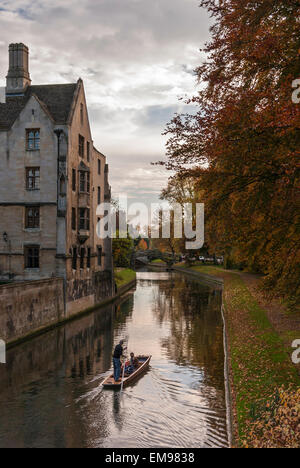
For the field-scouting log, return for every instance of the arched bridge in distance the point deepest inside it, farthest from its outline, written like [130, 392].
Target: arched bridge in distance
[145, 257]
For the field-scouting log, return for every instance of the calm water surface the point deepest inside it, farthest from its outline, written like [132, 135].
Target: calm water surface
[50, 392]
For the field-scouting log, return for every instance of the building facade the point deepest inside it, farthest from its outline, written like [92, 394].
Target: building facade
[51, 181]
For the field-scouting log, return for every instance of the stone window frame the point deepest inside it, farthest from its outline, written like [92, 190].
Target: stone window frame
[33, 181]
[33, 142]
[88, 151]
[35, 222]
[74, 219]
[81, 113]
[88, 182]
[83, 219]
[84, 182]
[81, 144]
[74, 180]
[32, 257]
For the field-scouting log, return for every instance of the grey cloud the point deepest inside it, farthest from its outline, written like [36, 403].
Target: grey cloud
[25, 14]
[121, 29]
[156, 116]
[136, 58]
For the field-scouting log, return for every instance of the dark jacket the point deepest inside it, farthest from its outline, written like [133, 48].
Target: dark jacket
[118, 351]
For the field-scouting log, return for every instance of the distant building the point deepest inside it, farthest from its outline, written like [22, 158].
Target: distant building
[51, 181]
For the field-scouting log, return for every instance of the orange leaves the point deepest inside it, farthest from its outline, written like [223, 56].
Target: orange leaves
[243, 144]
[279, 425]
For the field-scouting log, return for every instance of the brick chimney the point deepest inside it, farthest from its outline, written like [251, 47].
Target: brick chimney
[18, 77]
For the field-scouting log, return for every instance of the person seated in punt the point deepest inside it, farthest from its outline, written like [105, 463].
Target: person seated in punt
[132, 365]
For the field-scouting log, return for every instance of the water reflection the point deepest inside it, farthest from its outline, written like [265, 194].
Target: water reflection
[196, 338]
[50, 392]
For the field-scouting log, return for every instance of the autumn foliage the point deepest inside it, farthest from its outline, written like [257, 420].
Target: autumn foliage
[279, 424]
[122, 251]
[242, 146]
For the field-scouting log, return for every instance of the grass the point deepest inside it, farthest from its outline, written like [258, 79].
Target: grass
[260, 363]
[124, 276]
[158, 260]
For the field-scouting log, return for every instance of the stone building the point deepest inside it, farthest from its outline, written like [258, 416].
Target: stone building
[51, 181]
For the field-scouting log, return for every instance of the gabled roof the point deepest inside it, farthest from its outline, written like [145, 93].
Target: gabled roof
[57, 99]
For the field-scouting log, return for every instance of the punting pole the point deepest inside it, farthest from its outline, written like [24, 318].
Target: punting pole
[122, 384]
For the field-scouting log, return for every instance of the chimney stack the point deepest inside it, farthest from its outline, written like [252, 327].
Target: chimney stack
[18, 77]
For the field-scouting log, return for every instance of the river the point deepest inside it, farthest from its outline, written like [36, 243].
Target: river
[50, 388]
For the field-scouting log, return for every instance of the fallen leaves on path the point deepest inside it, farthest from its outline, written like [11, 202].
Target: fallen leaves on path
[279, 424]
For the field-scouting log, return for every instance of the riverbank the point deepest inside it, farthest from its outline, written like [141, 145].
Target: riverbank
[261, 371]
[125, 279]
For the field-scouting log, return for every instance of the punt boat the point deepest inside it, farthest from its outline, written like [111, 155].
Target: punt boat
[144, 362]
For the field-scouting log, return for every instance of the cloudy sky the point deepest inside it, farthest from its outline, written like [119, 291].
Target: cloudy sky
[136, 58]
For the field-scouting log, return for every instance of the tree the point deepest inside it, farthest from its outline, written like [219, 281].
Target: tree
[166, 242]
[142, 245]
[122, 251]
[242, 146]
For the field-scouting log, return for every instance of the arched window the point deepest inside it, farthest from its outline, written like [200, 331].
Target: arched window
[32, 139]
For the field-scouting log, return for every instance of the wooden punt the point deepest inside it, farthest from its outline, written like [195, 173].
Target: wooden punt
[144, 362]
